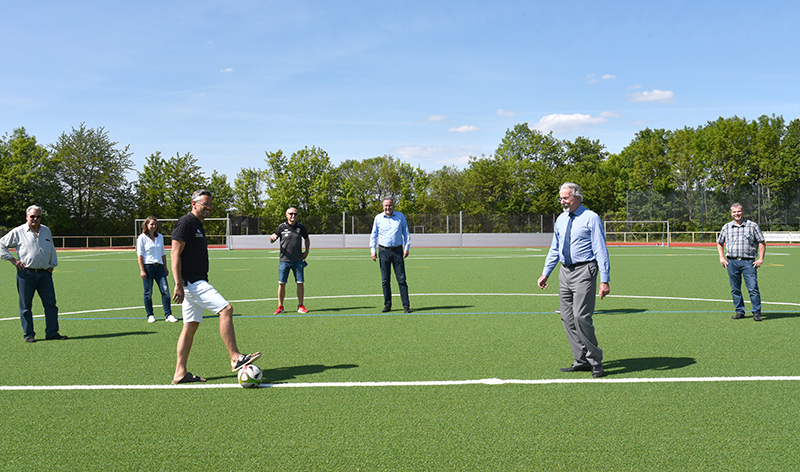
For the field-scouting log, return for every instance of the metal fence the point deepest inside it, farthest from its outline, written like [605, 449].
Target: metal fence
[417, 223]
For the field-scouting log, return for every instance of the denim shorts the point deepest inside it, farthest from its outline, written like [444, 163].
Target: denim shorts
[297, 268]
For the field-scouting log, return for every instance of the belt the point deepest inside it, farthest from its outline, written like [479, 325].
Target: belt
[37, 270]
[741, 258]
[578, 264]
[388, 247]
[154, 264]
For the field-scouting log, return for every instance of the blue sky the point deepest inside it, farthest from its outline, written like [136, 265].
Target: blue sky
[429, 82]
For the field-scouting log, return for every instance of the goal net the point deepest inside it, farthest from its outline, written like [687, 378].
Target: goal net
[218, 230]
[646, 233]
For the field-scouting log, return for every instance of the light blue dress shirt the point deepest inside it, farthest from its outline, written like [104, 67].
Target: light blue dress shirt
[587, 242]
[389, 231]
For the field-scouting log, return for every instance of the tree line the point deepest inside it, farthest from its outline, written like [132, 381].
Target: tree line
[81, 179]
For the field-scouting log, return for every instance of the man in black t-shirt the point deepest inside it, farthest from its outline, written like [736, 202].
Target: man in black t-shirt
[190, 270]
[292, 234]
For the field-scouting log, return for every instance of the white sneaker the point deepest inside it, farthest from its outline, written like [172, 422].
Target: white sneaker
[172, 319]
[151, 319]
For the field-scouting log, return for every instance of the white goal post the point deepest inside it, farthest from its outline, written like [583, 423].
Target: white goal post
[212, 227]
[652, 233]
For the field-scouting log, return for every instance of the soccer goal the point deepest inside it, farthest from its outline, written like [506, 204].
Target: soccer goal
[646, 233]
[218, 230]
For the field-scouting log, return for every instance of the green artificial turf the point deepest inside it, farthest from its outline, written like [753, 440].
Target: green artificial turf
[477, 315]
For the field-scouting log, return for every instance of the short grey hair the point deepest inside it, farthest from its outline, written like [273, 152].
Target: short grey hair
[200, 193]
[32, 208]
[737, 205]
[576, 189]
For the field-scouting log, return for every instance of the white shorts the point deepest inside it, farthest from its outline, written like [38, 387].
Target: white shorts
[200, 296]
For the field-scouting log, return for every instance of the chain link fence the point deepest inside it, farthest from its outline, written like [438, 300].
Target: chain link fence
[709, 210]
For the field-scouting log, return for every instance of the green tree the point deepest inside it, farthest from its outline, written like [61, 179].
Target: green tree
[249, 192]
[92, 172]
[222, 192]
[27, 177]
[449, 192]
[584, 159]
[689, 168]
[151, 187]
[184, 176]
[306, 181]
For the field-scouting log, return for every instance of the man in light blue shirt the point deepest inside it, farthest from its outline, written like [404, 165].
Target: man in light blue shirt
[389, 242]
[579, 243]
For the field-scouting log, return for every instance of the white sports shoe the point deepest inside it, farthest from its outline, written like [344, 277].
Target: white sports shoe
[151, 319]
[172, 319]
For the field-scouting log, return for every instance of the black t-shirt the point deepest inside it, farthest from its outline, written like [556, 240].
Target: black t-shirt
[194, 258]
[291, 241]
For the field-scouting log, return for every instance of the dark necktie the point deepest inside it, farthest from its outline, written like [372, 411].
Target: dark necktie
[567, 234]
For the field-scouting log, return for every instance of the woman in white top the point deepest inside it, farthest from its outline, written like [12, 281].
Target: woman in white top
[153, 266]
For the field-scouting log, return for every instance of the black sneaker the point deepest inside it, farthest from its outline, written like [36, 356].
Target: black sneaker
[57, 337]
[30, 339]
[737, 316]
[756, 316]
[243, 360]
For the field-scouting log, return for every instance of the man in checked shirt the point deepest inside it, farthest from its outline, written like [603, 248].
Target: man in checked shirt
[746, 247]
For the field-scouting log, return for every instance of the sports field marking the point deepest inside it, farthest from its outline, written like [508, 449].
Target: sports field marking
[419, 383]
[325, 297]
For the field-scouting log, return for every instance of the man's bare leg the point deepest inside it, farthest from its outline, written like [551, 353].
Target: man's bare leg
[227, 332]
[300, 293]
[281, 293]
[185, 341]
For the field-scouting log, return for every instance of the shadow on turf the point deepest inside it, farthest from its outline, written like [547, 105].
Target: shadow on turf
[343, 308]
[112, 335]
[641, 364]
[283, 374]
[443, 307]
[622, 311]
[770, 315]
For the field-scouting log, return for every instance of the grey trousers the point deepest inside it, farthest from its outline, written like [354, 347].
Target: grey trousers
[577, 290]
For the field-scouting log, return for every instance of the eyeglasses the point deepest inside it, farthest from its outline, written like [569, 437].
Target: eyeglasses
[207, 205]
[35, 217]
[564, 199]
[291, 214]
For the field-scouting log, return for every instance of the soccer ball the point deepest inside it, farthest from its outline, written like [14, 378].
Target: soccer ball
[250, 376]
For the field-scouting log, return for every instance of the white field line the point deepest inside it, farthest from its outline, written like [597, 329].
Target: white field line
[421, 383]
[644, 297]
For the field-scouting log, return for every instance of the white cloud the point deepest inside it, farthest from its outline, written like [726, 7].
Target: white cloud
[463, 129]
[436, 157]
[609, 114]
[656, 95]
[435, 118]
[226, 70]
[634, 87]
[567, 123]
[502, 112]
[592, 78]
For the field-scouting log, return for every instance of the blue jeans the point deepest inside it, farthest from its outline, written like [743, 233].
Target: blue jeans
[156, 272]
[393, 257]
[297, 269]
[29, 282]
[737, 270]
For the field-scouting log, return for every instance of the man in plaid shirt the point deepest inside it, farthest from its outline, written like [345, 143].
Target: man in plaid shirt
[746, 247]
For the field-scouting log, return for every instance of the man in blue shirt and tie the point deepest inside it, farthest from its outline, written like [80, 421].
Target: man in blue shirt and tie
[390, 241]
[579, 243]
